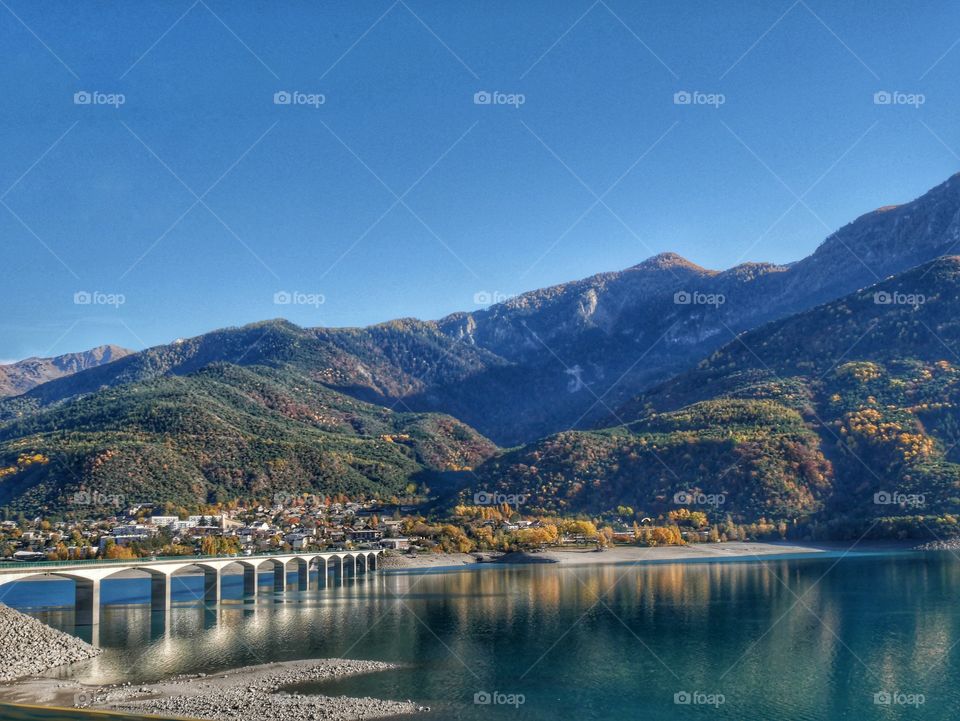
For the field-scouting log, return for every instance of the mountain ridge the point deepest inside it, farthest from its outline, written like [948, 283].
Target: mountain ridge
[561, 356]
[21, 376]
[838, 416]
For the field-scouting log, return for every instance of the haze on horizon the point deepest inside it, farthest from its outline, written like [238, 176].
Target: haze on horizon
[158, 185]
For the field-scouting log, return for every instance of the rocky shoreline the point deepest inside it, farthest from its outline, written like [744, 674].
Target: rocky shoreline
[29, 647]
[251, 692]
[950, 544]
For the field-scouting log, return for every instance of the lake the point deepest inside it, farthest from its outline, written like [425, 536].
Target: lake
[827, 637]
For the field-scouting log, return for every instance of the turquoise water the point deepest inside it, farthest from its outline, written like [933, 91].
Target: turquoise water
[811, 638]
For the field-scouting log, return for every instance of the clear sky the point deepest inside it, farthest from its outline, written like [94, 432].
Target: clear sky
[385, 189]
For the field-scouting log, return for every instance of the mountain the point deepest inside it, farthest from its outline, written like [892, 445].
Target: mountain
[218, 433]
[17, 378]
[558, 358]
[578, 350]
[850, 410]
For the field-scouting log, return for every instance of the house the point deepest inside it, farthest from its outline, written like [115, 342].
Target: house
[125, 535]
[364, 534]
[397, 544]
[299, 541]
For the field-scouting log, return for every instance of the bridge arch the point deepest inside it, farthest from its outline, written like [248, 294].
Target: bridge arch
[87, 575]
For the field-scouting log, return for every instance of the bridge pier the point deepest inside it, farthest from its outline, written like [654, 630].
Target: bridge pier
[279, 577]
[87, 601]
[303, 575]
[159, 590]
[250, 581]
[211, 585]
[321, 573]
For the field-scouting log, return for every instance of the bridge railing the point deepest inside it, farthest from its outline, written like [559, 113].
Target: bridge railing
[145, 560]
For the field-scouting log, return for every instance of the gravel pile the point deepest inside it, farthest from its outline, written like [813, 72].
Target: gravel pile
[254, 693]
[29, 647]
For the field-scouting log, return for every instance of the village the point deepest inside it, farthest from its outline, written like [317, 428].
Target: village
[307, 523]
[153, 530]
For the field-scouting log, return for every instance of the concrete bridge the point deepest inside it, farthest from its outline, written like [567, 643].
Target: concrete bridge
[88, 575]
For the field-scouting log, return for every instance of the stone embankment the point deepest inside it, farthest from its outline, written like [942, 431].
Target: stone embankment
[29, 647]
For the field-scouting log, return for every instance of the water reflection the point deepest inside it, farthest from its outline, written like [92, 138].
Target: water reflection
[799, 639]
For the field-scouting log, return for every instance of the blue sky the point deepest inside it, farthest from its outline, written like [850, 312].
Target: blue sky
[197, 200]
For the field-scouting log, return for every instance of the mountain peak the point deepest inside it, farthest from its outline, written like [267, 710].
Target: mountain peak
[20, 377]
[669, 261]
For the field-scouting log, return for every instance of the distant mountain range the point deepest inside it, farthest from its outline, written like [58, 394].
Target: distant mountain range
[17, 378]
[581, 355]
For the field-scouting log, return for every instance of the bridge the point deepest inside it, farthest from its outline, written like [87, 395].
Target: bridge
[88, 575]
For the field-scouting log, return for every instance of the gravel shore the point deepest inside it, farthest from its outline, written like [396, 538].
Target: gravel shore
[949, 544]
[252, 692]
[393, 560]
[589, 557]
[29, 647]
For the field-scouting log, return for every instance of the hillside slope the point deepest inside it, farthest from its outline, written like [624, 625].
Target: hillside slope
[851, 409]
[223, 432]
